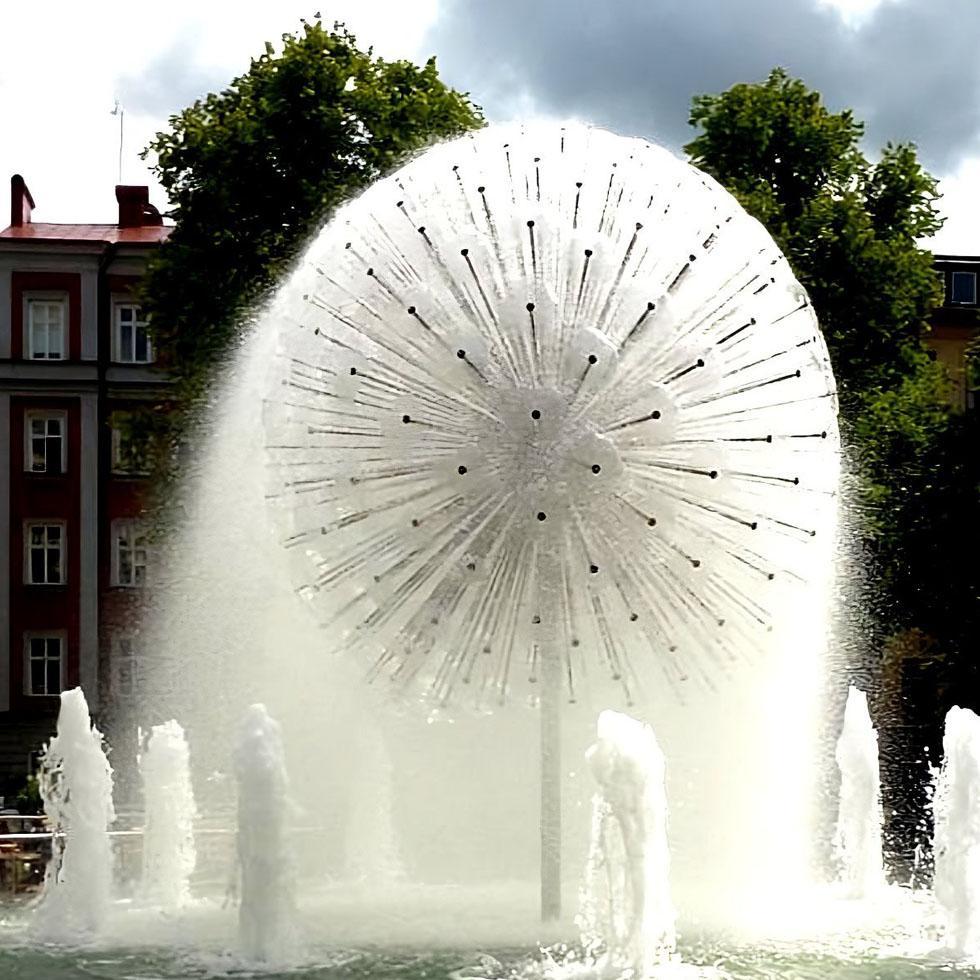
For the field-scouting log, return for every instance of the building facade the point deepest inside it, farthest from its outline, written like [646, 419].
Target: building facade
[954, 325]
[75, 359]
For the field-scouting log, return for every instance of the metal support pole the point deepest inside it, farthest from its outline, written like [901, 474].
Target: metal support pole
[551, 701]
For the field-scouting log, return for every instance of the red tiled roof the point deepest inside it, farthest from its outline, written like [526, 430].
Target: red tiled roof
[144, 235]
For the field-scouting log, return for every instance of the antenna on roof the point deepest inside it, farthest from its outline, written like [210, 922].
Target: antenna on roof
[120, 112]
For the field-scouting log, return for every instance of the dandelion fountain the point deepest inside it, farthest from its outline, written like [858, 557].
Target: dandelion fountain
[549, 411]
[540, 425]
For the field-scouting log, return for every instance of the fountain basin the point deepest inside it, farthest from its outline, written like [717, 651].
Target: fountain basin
[432, 932]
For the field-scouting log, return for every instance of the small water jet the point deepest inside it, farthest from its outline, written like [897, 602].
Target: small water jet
[956, 840]
[857, 840]
[168, 834]
[76, 787]
[266, 907]
[372, 858]
[627, 909]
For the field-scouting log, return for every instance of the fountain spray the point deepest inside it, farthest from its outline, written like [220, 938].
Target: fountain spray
[956, 840]
[266, 905]
[857, 840]
[627, 908]
[76, 787]
[168, 837]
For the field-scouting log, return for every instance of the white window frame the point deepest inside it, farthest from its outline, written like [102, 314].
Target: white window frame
[118, 354]
[62, 549]
[37, 416]
[62, 658]
[952, 288]
[125, 650]
[57, 298]
[129, 532]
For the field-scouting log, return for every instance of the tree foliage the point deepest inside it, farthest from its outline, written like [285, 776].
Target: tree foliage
[851, 230]
[940, 521]
[254, 170]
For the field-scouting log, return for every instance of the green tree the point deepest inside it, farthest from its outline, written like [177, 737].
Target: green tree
[254, 170]
[941, 539]
[851, 230]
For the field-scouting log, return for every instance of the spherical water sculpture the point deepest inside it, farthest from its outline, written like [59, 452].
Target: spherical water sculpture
[549, 405]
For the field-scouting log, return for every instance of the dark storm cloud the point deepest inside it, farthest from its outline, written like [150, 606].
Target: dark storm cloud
[171, 81]
[911, 72]
[922, 76]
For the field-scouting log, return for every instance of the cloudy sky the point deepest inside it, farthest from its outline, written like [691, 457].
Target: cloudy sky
[909, 68]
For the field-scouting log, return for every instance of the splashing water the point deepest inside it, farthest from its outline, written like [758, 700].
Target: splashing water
[956, 841]
[168, 836]
[266, 911]
[76, 787]
[627, 908]
[857, 840]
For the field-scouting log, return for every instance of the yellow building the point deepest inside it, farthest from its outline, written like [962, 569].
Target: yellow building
[954, 325]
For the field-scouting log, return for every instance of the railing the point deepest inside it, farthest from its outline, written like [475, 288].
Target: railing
[24, 855]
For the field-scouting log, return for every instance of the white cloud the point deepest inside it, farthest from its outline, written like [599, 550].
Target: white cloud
[854, 13]
[63, 61]
[66, 62]
[961, 206]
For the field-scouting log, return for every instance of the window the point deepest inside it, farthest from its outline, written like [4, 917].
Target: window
[45, 564]
[125, 666]
[46, 329]
[129, 453]
[964, 287]
[45, 657]
[45, 445]
[129, 554]
[132, 340]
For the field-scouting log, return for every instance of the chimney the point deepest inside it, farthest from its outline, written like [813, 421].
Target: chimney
[21, 202]
[135, 210]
